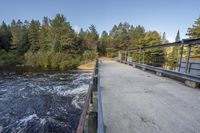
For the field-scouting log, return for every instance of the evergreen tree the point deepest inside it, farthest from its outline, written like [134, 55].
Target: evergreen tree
[103, 43]
[172, 58]
[33, 35]
[62, 31]
[5, 36]
[194, 31]
[120, 36]
[82, 38]
[44, 36]
[137, 35]
[92, 38]
[164, 39]
[19, 37]
[177, 37]
[154, 57]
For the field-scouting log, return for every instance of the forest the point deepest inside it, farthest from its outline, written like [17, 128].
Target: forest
[54, 44]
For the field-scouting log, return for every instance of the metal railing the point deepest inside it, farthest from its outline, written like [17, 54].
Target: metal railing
[97, 125]
[181, 74]
[100, 108]
[193, 67]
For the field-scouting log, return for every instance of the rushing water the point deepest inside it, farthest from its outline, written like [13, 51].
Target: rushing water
[40, 103]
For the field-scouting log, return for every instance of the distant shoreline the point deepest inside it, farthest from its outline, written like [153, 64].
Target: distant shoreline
[21, 69]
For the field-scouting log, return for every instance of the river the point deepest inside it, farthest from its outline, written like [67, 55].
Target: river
[41, 102]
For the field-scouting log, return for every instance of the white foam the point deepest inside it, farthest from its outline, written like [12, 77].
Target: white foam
[40, 88]
[28, 118]
[48, 113]
[79, 90]
[65, 91]
[75, 102]
[84, 76]
[42, 121]
[21, 89]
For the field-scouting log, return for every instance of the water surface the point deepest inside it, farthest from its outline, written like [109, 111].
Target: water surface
[40, 103]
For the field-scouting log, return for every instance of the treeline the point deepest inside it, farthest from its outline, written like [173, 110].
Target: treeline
[126, 37]
[52, 44]
[55, 45]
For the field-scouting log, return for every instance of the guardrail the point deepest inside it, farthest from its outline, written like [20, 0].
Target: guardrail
[91, 120]
[183, 76]
[100, 108]
[187, 70]
[190, 80]
[181, 44]
[193, 67]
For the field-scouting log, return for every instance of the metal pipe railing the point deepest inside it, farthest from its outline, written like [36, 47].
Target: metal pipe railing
[179, 75]
[94, 86]
[82, 121]
[100, 108]
[184, 42]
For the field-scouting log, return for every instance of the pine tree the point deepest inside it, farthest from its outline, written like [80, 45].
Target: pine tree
[194, 32]
[44, 36]
[164, 39]
[103, 43]
[177, 37]
[172, 60]
[33, 35]
[62, 31]
[5, 36]
[137, 35]
[19, 37]
[154, 57]
[92, 38]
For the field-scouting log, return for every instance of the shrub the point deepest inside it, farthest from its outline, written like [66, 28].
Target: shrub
[56, 59]
[10, 58]
[52, 60]
[43, 59]
[30, 59]
[89, 55]
[69, 62]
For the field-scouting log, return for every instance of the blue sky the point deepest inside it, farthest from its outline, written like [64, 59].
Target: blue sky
[161, 15]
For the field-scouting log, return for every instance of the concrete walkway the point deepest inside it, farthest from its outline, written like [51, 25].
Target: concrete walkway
[135, 101]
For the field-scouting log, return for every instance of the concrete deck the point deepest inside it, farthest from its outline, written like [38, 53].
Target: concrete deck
[135, 101]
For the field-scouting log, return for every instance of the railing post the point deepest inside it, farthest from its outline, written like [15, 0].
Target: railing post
[88, 119]
[143, 56]
[119, 56]
[125, 56]
[180, 56]
[127, 60]
[188, 58]
[140, 56]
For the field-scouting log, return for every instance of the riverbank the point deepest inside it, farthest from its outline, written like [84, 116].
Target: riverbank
[88, 66]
